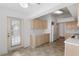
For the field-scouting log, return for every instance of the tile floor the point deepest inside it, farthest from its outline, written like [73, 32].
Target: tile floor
[49, 49]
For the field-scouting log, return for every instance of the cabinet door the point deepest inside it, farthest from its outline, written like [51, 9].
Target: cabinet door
[38, 41]
[71, 25]
[35, 24]
[71, 50]
[45, 24]
[39, 24]
[42, 39]
[46, 38]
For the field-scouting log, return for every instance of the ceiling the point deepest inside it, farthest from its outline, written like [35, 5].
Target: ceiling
[34, 10]
[70, 11]
[73, 10]
[65, 13]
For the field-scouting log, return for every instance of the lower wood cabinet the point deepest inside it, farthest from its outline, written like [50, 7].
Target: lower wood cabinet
[71, 50]
[38, 40]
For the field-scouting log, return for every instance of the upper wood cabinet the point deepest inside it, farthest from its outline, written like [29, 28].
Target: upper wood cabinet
[39, 24]
[72, 25]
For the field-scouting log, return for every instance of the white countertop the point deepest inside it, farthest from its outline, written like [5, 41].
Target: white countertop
[39, 32]
[72, 41]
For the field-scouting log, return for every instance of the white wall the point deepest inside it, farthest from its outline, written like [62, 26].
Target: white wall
[27, 32]
[73, 10]
[61, 29]
[3, 28]
[3, 41]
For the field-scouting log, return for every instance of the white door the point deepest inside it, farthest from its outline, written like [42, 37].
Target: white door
[14, 33]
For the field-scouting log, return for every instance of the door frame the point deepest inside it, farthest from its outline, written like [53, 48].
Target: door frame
[21, 35]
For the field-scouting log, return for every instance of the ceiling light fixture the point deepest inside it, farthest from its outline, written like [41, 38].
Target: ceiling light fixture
[58, 12]
[24, 5]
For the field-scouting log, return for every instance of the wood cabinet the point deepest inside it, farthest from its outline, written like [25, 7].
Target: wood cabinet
[39, 24]
[71, 25]
[38, 40]
[71, 50]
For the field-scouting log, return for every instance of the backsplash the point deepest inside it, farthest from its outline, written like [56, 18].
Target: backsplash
[72, 31]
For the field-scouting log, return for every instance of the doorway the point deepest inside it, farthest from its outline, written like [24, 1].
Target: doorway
[61, 33]
[14, 33]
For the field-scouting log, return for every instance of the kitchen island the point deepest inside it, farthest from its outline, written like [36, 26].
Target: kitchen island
[72, 47]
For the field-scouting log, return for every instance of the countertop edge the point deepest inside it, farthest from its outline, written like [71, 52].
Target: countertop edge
[71, 43]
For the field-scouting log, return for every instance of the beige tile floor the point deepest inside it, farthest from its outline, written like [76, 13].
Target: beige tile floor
[49, 49]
